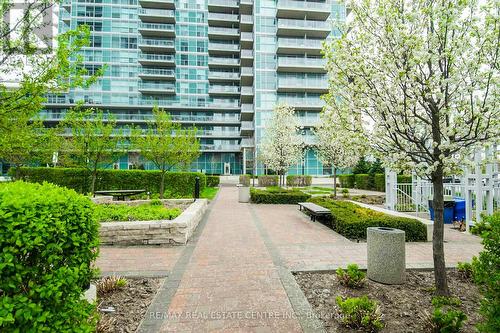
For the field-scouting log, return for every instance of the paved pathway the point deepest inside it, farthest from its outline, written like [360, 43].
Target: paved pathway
[235, 274]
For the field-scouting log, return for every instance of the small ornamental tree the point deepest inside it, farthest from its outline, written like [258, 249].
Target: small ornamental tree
[281, 144]
[166, 144]
[92, 140]
[425, 75]
[336, 147]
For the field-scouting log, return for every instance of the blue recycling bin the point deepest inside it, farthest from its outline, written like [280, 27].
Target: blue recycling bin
[459, 209]
[448, 211]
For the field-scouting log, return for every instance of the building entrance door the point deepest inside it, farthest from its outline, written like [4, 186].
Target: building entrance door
[227, 168]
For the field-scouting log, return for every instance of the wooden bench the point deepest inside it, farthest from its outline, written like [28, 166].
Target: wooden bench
[120, 195]
[314, 210]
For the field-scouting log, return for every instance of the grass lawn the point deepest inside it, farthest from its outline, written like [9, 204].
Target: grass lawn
[145, 212]
[209, 193]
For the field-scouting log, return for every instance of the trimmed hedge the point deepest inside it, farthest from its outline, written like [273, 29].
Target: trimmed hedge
[265, 181]
[245, 180]
[177, 184]
[351, 220]
[213, 181]
[379, 182]
[362, 181]
[372, 182]
[293, 180]
[346, 181]
[277, 196]
[49, 240]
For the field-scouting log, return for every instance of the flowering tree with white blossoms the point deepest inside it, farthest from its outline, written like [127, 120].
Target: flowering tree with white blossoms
[281, 144]
[336, 145]
[425, 75]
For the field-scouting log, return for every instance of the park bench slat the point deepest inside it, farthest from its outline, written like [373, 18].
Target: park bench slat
[314, 210]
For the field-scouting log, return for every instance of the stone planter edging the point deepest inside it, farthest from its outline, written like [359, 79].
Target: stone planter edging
[173, 232]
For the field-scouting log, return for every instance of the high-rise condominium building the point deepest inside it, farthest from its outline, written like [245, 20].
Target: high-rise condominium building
[221, 65]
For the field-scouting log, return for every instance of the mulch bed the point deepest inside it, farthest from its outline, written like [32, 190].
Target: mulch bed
[130, 303]
[403, 307]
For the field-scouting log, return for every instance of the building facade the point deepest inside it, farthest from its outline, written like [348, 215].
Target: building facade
[221, 65]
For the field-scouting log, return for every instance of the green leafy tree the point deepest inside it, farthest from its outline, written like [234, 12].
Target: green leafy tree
[166, 144]
[92, 140]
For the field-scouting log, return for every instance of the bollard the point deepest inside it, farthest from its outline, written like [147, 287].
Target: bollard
[197, 188]
[386, 255]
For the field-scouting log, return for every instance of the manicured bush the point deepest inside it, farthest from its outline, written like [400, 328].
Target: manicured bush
[277, 196]
[346, 181]
[486, 269]
[265, 181]
[177, 184]
[48, 240]
[361, 181]
[245, 180]
[351, 220]
[213, 181]
[446, 316]
[144, 212]
[293, 180]
[352, 277]
[360, 313]
[379, 182]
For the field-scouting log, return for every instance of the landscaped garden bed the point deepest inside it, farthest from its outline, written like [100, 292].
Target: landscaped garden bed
[123, 305]
[351, 220]
[403, 308]
[277, 195]
[127, 211]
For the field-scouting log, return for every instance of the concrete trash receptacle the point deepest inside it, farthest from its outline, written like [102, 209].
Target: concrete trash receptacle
[243, 193]
[386, 255]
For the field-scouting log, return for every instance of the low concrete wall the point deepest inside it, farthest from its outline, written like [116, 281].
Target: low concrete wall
[429, 224]
[173, 232]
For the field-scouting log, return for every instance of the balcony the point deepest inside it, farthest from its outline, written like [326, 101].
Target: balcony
[166, 4]
[223, 33]
[224, 90]
[246, 22]
[302, 85]
[246, 94]
[156, 15]
[147, 59]
[223, 62]
[223, 48]
[223, 5]
[246, 40]
[303, 103]
[246, 6]
[247, 143]
[157, 73]
[299, 46]
[246, 128]
[246, 76]
[222, 19]
[303, 65]
[301, 9]
[157, 29]
[218, 134]
[220, 147]
[156, 45]
[288, 27]
[215, 76]
[156, 88]
[247, 111]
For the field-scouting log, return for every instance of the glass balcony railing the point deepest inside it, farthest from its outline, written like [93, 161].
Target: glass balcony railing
[316, 102]
[223, 31]
[219, 147]
[156, 42]
[222, 17]
[224, 61]
[156, 12]
[304, 5]
[306, 62]
[300, 43]
[223, 3]
[156, 86]
[303, 83]
[223, 46]
[304, 24]
[157, 72]
[224, 75]
[224, 89]
[247, 125]
[246, 53]
[157, 26]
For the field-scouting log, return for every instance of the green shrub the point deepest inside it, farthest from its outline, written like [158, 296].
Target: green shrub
[177, 184]
[404, 179]
[268, 181]
[245, 180]
[346, 181]
[351, 220]
[479, 227]
[302, 181]
[48, 240]
[144, 212]
[379, 182]
[213, 181]
[345, 193]
[465, 270]
[360, 313]
[487, 275]
[277, 196]
[156, 202]
[352, 277]
[446, 317]
[362, 181]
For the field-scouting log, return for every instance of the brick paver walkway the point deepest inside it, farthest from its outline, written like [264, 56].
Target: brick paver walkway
[235, 274]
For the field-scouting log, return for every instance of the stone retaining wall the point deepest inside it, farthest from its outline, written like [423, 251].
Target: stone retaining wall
[173, 232]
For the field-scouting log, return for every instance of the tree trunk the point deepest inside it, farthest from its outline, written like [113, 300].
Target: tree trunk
[92, 184]
[334, 182]
[438, 234]
[162, 184]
